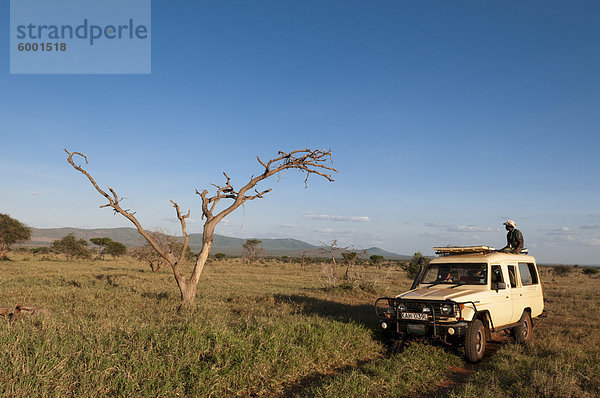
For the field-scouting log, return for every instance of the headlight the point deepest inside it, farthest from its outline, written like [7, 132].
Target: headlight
[447, 309]
[426, 309]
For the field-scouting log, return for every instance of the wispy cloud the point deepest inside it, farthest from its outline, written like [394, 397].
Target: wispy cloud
[558, 235]
[468, 228]
[560, 231]
[590, 226]
[36, 194]
[334, 232]
[459, 228]
[288, 226]
[328, 217]
[591, 242]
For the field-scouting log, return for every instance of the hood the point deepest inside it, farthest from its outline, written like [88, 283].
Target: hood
[440, 293]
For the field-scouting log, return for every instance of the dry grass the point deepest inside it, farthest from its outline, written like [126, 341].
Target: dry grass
[268, 329]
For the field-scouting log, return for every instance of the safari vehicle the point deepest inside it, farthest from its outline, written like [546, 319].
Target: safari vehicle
[463, 296]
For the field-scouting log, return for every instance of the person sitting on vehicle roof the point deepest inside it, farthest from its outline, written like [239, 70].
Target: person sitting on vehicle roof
[514, 238]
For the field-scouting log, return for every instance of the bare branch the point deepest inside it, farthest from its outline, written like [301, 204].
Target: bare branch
[186, 241]
[114, 203]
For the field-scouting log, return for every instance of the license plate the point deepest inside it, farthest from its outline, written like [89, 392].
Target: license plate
[410, 315]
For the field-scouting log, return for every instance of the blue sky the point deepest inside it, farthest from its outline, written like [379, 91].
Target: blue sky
[444, 118]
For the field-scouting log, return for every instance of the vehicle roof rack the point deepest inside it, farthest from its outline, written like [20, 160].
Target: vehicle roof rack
[450, 250]
[453, 250]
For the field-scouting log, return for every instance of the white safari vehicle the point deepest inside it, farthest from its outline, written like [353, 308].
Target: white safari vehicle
[465, 294]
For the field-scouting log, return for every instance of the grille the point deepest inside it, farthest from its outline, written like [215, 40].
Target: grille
[418, 307]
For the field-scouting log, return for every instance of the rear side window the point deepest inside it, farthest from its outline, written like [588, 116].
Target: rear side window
[512, 275]
[528, 274]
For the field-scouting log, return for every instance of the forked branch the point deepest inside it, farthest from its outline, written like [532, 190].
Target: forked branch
[305, 160]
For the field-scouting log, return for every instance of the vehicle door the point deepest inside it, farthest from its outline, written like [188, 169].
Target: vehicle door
[500, 304]
[516, 292]
[531, 290]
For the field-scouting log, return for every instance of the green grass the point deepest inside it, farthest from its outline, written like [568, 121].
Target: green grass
[267, 329]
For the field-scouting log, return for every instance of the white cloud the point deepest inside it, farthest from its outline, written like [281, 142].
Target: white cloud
[328, 217]
[36, 194]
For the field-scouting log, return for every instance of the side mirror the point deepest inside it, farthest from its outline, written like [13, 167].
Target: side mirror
[501, 285]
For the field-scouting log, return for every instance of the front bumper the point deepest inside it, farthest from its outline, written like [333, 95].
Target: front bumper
[424, 328]
[434, 324]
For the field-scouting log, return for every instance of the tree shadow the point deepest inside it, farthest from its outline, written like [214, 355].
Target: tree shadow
[363, 314]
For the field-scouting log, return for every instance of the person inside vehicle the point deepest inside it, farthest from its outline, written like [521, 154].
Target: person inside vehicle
[445, 276]
[514, 238]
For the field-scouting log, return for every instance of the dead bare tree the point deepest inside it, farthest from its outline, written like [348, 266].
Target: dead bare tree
[305, 160]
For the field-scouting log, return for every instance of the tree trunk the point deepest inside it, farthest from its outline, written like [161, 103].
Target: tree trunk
[188, 287]
[188, 293]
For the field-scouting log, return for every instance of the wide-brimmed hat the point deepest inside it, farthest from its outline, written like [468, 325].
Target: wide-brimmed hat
[511, 223]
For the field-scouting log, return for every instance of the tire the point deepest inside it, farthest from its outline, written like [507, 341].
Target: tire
[475, 341]
[522, 332]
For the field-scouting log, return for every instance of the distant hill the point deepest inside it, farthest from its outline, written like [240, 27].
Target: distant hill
[223, 244]
[389, 255]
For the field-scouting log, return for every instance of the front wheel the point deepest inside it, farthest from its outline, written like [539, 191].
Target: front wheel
[522, 332]
[475, 341]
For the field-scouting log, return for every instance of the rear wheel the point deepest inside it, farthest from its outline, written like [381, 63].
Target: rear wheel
[475, 341]
[522, 332]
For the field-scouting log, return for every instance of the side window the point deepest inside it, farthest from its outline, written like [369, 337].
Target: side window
[496, 276]
[512, 275]
[528, 274]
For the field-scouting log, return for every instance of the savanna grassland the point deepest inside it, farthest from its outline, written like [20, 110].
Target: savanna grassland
[266, 329]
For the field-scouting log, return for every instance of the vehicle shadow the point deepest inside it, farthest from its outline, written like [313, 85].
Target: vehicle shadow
[364, 314]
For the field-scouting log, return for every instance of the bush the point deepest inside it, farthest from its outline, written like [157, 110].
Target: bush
[71, 247]
[562, 270]
[11, 231]
[589, 272]
[413, 267]
[376, 259]
[220, 256]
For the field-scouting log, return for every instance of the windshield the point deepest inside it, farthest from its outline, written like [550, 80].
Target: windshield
[459, 273]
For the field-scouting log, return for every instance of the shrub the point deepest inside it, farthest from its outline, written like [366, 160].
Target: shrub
[220, 256]
[376, 259]
[589, 272]
[413, 266]
[562, 270]
[71, 247]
